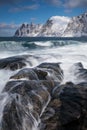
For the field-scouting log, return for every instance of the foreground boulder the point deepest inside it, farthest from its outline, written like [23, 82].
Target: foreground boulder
[12, 63]
[27, 101]
[25, 73]
[54, 70]
[35, 98]
[17, 62]
[67, 109]
[79, 72]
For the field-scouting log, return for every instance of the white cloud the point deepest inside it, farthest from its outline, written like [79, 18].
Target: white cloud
[75, 3]
[9, 2]
[68, 3]
[8, 29]
[54, 2]
[22, 8]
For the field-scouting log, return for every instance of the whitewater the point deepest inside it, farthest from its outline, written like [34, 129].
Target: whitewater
[66, 52]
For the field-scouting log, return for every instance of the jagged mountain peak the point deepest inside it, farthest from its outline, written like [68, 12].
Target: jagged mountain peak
[52, 27]
[28, 30]
[77, 26]
[56, 26]
[60, 19]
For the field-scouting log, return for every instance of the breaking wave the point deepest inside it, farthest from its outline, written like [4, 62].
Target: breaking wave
[24, 96]
[25, 45]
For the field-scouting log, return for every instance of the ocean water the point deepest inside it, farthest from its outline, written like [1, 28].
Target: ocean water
[66, 51]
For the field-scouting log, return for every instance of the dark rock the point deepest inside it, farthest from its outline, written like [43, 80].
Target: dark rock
[27, 101]
[54, 71]
[17, 62]
[12, 63]
[69, 104]
[49, 112]
[16, 116]
[79, 72]
[42, 96]
[42, 74]
[49, 84]
[25, 73]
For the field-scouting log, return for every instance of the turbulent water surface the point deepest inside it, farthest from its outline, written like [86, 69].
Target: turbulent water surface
[64, 50]
[67, 51]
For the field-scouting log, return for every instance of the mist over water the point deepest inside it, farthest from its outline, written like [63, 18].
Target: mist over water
[65, 52]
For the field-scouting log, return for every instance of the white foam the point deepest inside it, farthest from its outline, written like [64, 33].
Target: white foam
[47, 44]
[3, 101]
[67, 55]
[4, 78]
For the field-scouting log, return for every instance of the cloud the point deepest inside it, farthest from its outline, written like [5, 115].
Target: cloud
[8, 29]
[68, 3]
[63, 3]
[75, 4]
[33, 19]
[23, 8]
[8, 26]
[15, 2]
[54, 2]
[8, 2]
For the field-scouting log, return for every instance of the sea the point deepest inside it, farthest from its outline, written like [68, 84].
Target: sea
[66, 51]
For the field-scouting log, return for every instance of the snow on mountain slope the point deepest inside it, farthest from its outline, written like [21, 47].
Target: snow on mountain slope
[54, 26]
[28, 30]
[77, 26]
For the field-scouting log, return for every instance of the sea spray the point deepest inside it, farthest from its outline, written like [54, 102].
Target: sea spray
[4, 77]
[3, 100]
[66, 52]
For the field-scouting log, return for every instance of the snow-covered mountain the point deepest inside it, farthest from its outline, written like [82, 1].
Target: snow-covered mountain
[77, 26]
[28, 30]
[56, 26]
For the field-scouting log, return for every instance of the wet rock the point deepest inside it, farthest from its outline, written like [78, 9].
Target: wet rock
[27, 102]
[54, 71]
[49, 112]
[42, 96]
[69, 104]
[25, 73]
[35, 74]
[42, 74]
[79, 72]
[18, 62]
[12, 63]
[49, 84]
[16, 116]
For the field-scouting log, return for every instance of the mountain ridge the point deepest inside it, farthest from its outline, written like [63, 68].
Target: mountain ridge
[56, 26]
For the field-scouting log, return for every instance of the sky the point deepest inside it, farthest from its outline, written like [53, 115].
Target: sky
[15, 12]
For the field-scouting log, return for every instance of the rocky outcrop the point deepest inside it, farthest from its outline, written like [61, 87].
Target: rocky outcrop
[27, 94]
[56, 26]
[25, 105]
[54, 70]
[35, 98]
[68, 109]
[79, 72]
[77, 26]
[52, 28]
[28, 30]
[17, 62]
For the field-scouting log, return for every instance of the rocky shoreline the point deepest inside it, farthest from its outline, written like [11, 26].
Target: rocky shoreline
[36, 99]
